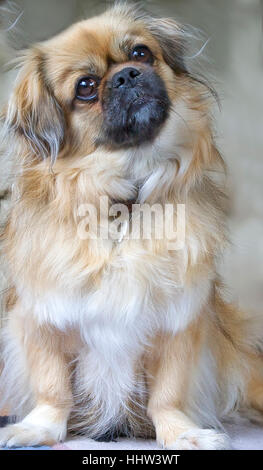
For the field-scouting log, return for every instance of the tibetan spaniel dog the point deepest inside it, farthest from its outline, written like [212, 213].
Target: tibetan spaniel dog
[112, 329]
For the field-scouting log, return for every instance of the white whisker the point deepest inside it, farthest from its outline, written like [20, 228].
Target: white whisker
[15, 22]
[198, 53]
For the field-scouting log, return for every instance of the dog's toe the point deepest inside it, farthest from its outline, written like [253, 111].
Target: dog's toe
[18, 435]
[201, 439]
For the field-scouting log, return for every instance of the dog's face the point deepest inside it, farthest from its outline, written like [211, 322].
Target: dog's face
[109, 81]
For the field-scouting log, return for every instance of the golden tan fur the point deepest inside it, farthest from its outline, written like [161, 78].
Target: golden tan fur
[61, 166]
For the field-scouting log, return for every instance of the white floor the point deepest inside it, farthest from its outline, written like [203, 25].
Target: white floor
[243, 437]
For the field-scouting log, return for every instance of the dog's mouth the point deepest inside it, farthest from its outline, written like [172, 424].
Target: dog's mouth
[137, 104]
[134, 116]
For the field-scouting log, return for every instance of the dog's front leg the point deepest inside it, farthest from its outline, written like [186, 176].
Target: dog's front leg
[170, 371]
[49, 384]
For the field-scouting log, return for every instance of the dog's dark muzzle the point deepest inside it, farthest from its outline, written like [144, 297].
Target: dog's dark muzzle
[135, 105]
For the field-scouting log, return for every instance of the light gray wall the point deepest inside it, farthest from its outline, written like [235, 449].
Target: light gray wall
[235, 50]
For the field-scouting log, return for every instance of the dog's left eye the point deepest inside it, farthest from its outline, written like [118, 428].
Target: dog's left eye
[142, 53]
[87, 88]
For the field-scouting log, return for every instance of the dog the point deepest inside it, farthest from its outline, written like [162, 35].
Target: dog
[119, 334]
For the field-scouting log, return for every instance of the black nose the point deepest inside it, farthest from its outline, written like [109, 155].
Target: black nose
[126, 78]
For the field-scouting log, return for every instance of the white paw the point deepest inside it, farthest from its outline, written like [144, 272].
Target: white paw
[22, 434]
[201, 439]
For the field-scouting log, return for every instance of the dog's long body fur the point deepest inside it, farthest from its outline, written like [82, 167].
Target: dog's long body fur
[119, 337]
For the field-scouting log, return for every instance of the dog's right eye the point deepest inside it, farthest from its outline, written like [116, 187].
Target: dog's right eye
[87, 88]
[142, 53]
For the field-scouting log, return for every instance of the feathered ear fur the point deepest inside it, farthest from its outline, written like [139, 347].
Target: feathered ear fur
[33, 112]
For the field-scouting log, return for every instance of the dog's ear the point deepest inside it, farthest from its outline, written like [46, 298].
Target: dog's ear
[172, 40]
[33, 113]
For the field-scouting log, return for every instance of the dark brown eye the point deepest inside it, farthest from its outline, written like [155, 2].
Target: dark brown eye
[142, 53]
[87, 88]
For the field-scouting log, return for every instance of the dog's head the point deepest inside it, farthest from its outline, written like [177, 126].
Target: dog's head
[109, 80]
[114, 81]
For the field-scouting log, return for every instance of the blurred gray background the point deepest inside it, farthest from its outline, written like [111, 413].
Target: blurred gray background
[235, 57]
